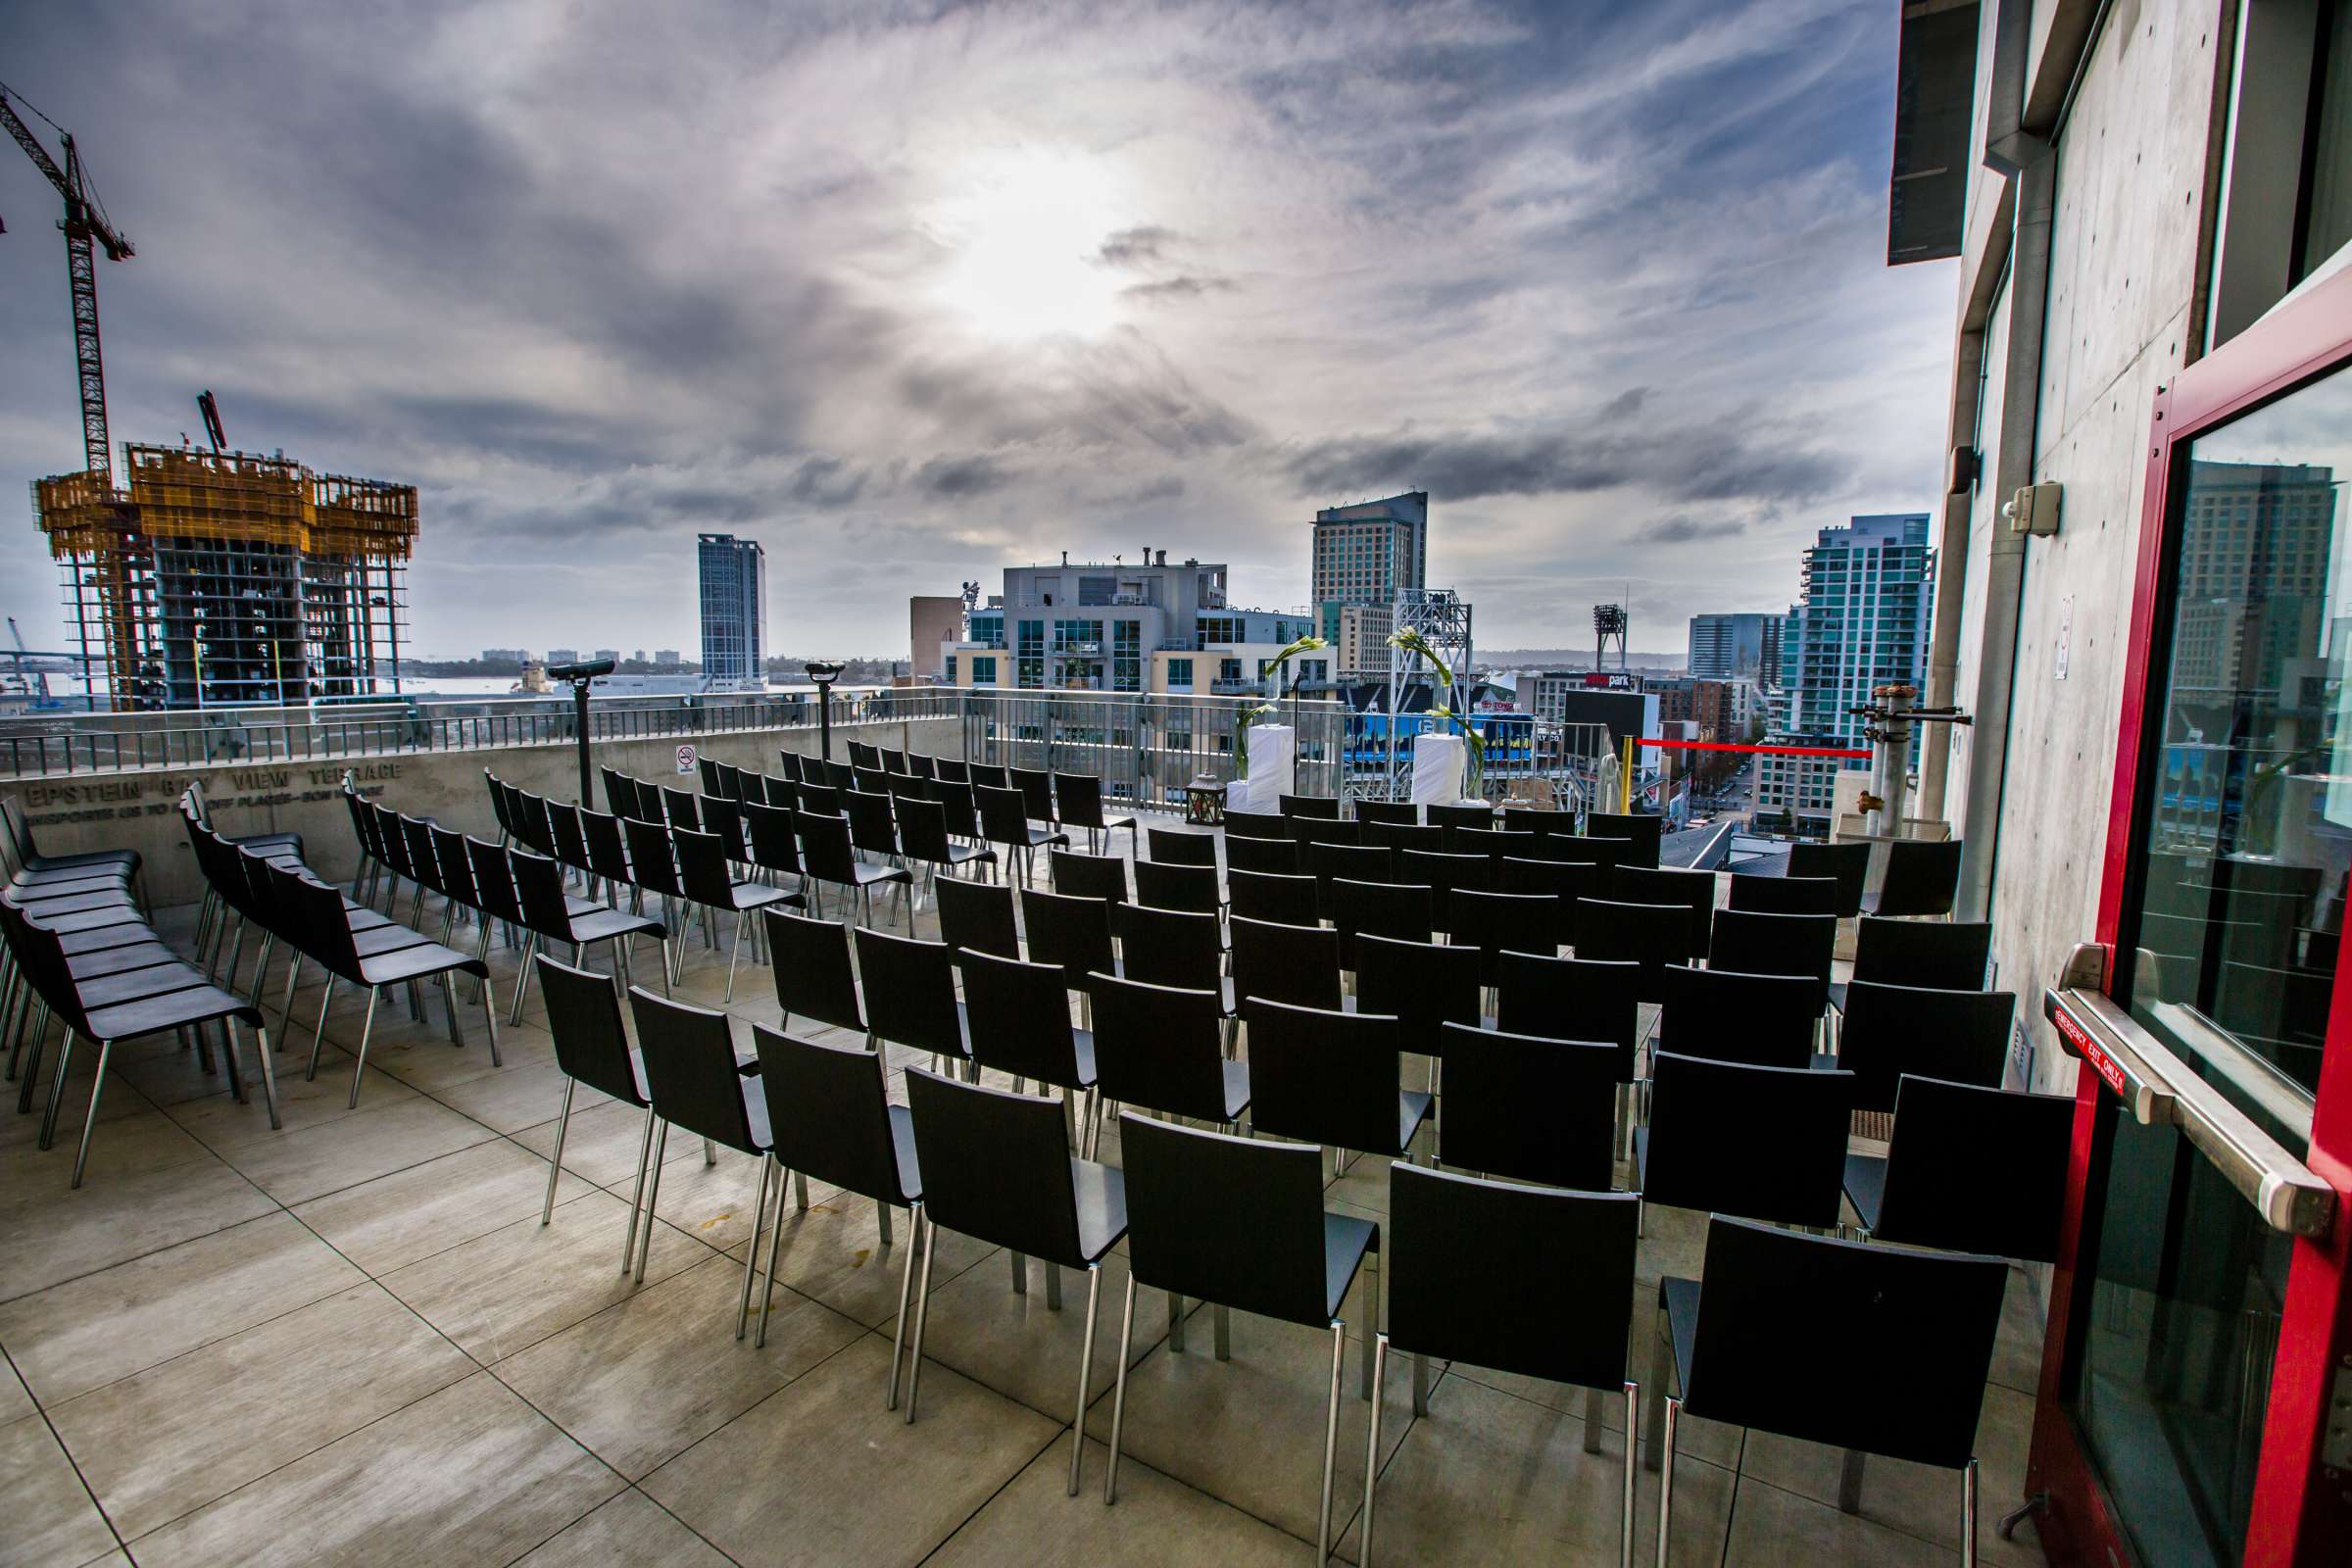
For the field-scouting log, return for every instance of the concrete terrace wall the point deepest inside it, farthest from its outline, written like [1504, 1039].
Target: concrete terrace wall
[135, 809]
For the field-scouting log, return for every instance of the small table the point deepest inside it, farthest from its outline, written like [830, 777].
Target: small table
[1203, 801]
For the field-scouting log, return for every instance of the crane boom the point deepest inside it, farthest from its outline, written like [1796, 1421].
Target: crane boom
[87, 231]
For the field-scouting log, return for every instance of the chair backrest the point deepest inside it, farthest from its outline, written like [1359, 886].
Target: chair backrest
[1089, 876]
[1079, 798]
[1004, 814]
[1453, 817]
[1784, 895]
[1972, 1169]
[922, 764]
[896, 763]
[1325, 1076]
[909, 988]
[772, 844]
[1164, 885]
[923, 829]
[709, 776]
[1766, 1021]
[1072, 932]
[1019, 1016]
[1497, 923]
[1037, 792]
[722, 814]
[1407, 813]
[865, 753]
[1570, 850]
[841, 776]
[1492, 841]
[810, 960]
[789, 761]
[1944, 955]
[1226, 1219]
[1924, 1323]
[1446, 874]
[681, 807]
[1355, 862]
[607, 847]
[689, 1060]
[991, 774]
[417, 840]
[1921, 877]
[1255, 825]
[1403, 835]
[825, 852]
[958, 806]
[1423, 985]
[1158, 1047]
[1265, 856]
[1169, 847]
[1652, 935]
[779, 791]
[583, 1014]
[1693, 890]
[1299, 965]
[1961, 1036]
[1846, 864]
[702, 868]
[828, 1115]
[1169, 947]
[621, 792]
[951, 770]
[823, 799]
[1641, 832]
[1377, 908]
[977, 916]
[1571, 998]
[872, 827]
[1538, 819]
[1774, 943]
[1305, 830]
[1315, 806]
[1278, 899]
[539, 890]
[571, 845]
[1763, 1143]
[868, 781]
[996, 1166]
[651, 859]
[456, 867]
[1564, 880]
[1557, 1303]
[1534, 1109]
[493, 882]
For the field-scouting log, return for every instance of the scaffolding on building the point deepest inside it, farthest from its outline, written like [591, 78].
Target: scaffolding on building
[1442, 617]
[228, 578]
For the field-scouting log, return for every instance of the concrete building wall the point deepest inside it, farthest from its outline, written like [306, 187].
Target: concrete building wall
[932, 620]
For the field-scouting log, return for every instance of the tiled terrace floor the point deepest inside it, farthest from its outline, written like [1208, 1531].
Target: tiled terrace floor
[351, 1340]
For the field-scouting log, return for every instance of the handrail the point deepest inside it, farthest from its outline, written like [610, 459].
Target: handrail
[2162, 1090]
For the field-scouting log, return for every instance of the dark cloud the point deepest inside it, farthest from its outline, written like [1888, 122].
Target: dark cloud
[1132, 247]
[961, 478]
[1681, 528]
[1625, 405]
[1182, 287]
[1694, 463]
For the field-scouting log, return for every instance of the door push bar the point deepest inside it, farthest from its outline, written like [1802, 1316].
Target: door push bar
[2160, 1090]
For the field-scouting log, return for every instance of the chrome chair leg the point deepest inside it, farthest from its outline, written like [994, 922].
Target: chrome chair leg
[90, 1125]
[1674, 1412]
[318, 1034]
[1968, 1515]
[1380, 1372]
[1118, 1398]
[775, 1245]
[1331, 1440]
[645, 1154]
[922, 1314]
[56, 1088]
[750, 1253]
[358, 1068]
[1086, 1367]
[898, 1330]
[653, 1199]
[1633, 1443]
[555, 1161]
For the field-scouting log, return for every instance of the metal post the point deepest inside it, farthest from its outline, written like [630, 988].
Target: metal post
[580, 708]
[1891, 739]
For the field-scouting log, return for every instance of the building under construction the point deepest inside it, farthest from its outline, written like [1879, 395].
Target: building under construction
[220, 578]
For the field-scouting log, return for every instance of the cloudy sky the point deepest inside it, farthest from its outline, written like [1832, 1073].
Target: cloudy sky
[911, 291]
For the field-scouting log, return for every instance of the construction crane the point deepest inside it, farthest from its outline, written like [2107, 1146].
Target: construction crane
[87, 231]
[15, 632]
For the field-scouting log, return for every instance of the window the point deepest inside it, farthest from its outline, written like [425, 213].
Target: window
[1180, 674]
[984, 669]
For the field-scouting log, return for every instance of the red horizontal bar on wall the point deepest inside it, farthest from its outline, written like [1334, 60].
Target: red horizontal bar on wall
[1753, 751]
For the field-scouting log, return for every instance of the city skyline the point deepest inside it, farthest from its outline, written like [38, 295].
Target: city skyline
[1162, 280]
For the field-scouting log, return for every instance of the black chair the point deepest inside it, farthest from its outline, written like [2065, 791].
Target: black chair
[1784, 895]
[607, 850]
[1921, 878]
[1158, 1047]
[867, 781]
[1169, 947]
[551, 915]
[1238, 1223]
[1492, 841]
[1405, 813]
[1940, 955]
[1444, 875]
[1693, 890]
[1192, 889]
[1556, 1304]
[790, 761]
[923, 765]
[953, 770]
[997, 1170]
[704, 872]
[910, 991]
[1018, 1015]
[1255, 825]
[821, 799]
[1576, 998]
[1264, 856]
[1765, 1020]
[1846, 864]
[1328, 1077]
[1005, 818]
[775, 847]
[1969, 1169]
[1172, 848]
[808, 960]
[874, 826]
[1642, 833]
[924, 837]
[1453, 817]
[1423, 985]
[722, 814]
[865, 755]
[1079, 798]
[654, 865]
[1762, 1143]
[680, 809]
[1564, 880]
[989, 775]
[592, 1047]
[1497, 923]
[1889, 1031]
[1539, 819]
[1036, 787]
[1652, 935]
[695, 1082]
[977, 917]
[830, 1118]
[1569, 850]
[1404, 836]
[960, 808]
[1298, 964]
[1308, 805]
[1088, 877]
[1279, 900]
[1397, 911]
[1311, 830]
[1355, 862]
[1528, 1107]
[826, 856]
[1073, 932]
[1775, 944]
[1750, 1351]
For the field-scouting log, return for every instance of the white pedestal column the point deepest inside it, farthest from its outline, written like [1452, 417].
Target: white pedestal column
[1273, 751]
[1438, 762]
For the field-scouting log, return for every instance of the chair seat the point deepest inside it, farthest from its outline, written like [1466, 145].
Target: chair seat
[601, 923]
[1412, 1110]
[170, 1010]
[867, 873]
[966, 853]
[1866, 1187]
[64, 886]
[1237, 1089]
[1082, 1047]
[1102, 1194]
[376, 941]
[1041, 836]
[48, 904]
[1346, 1241]
[414, 964]
[128, 860]
[105, 938]
[902, 1148]
[96, 921]
[117, 960]
[759, 896]
[1679, 1298]
[1837, 997]
[134, 985]
[271, 842]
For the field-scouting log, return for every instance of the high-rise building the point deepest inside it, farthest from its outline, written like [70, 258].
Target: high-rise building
[612, 654]
[563, 655]
[667, 659]
[505, 656]
[734, 588]
[1370, 553]
[1861, 621]
[1736, 648]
